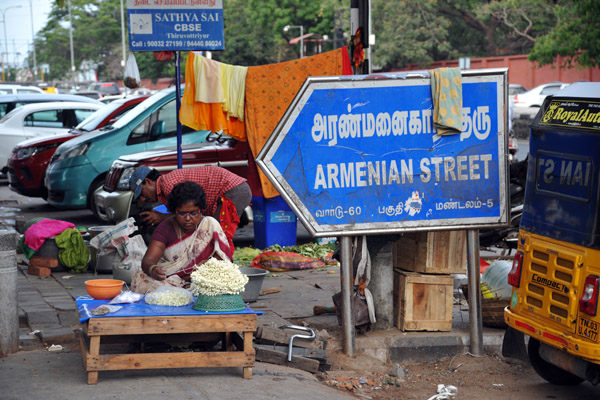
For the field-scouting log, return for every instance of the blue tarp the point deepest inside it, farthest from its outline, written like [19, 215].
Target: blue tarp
[85, 305]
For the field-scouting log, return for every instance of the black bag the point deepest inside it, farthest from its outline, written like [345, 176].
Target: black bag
[360, 310]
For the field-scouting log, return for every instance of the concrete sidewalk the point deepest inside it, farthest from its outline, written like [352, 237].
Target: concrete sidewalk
[48, 316]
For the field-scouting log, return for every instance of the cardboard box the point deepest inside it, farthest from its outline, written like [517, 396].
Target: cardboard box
[423, 302]
[443, 252]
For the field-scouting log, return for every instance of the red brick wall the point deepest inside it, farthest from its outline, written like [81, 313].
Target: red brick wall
[522, 71]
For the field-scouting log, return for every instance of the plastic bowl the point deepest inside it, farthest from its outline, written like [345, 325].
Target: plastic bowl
[103, 289]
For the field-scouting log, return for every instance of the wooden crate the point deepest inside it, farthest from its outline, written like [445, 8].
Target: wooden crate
[443, 252]
[423, 302]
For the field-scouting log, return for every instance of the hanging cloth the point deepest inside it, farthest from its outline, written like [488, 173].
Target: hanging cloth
[446, 95]
[206, 116]
[361, 266]
[271, 88]
[233, 78]
[209, 88]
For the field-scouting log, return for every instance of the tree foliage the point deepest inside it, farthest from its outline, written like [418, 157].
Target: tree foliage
[575, 37]
[406, 31]
[409, 31]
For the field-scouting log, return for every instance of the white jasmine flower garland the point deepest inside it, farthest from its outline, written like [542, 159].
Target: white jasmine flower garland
[216, 277]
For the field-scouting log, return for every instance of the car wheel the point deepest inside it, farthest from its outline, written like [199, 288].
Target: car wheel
[549, 372]
[91, 200]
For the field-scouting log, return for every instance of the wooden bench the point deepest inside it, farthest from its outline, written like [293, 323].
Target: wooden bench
[237, 331]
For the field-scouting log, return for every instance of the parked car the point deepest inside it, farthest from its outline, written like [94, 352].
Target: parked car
[78, 167]
[29, 159]
[92, 94]
[514, 89]
[111, 98]
[535, 97]
[20, 89]
[40, 119]
[114, 201]
[105, 88]
[9, 102]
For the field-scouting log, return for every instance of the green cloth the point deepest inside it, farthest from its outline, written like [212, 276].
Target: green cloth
[446, 95]
[72, 253]
[26, 250]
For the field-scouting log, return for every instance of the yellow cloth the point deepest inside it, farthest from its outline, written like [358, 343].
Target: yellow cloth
[233, 78]
[271, 88]
[209, 88]
[446, 93]
[206, 116]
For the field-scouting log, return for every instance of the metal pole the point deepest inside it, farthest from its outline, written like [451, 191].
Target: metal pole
[475, 320]
[33, 38]
[346, 283]
[71, 43]
[9, 314]
[123, 32]
[301, 41]
[178, 107]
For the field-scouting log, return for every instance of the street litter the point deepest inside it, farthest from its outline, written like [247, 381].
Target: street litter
[445, 392]
[34, 332]
[55, 347]
[67, 277]
[497, 384]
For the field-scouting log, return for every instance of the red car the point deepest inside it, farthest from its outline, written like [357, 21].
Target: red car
[114, 201]
[28, 162]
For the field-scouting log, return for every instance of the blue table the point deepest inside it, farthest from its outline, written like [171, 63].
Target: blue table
[143, 320]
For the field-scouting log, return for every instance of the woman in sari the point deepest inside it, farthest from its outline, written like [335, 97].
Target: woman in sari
[180, 242]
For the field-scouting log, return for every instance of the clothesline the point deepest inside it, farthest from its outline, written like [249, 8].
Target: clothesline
[266, 93]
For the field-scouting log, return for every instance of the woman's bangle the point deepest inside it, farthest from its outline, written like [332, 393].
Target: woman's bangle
[151, 269]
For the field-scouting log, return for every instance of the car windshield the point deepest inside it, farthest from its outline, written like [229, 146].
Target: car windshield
[92, 122]
[140, 108]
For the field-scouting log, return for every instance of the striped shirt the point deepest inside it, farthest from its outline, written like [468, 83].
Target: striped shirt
[214, 180]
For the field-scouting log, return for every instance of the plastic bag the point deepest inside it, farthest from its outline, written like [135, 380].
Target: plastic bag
[126, 297]
[132, 73]
[105, 309]
[170, 296]
[130, 250]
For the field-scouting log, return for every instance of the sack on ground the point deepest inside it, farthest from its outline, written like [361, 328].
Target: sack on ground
[281, 261]
[360, 309]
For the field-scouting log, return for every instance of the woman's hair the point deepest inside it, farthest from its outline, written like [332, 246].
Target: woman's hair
[185, 192]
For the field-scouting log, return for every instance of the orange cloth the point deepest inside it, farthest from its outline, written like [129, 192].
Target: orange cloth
[271, 88]
[206, 116]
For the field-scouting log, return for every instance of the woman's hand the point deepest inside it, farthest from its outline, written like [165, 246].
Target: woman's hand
[149, 262]
[157, 273]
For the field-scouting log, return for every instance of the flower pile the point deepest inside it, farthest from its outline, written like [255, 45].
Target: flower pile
[169, 297]
[216, 277]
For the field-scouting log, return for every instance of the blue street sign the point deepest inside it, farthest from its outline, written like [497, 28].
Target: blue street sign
[171, 25]
[360, 155]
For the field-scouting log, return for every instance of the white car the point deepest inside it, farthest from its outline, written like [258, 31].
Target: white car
[19, 89]
[535, 97]
[40, 119]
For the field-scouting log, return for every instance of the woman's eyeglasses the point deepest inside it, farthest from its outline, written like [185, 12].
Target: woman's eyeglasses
[184, 214]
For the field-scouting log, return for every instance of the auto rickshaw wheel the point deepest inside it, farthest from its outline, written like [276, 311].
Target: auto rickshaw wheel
[550, 372]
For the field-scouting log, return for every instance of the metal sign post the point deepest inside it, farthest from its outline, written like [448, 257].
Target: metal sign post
[359, 155]
[186, 25]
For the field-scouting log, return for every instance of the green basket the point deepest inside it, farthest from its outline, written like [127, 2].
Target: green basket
[222, 302]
